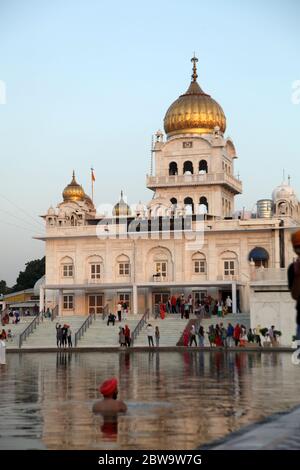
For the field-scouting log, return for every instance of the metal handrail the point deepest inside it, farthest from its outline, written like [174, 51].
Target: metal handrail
[54, 313]
[84, 327]
[140, 326]
[29, 329]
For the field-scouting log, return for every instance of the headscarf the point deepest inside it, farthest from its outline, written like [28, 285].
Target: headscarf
[109, 387]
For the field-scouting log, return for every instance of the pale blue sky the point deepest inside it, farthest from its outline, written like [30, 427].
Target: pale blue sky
[89, 81]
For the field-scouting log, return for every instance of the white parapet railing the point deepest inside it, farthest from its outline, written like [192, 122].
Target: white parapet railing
[270, 274]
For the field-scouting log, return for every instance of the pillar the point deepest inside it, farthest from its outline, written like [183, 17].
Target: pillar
[42, 299]
[234, 303]
[149, 300]
[134, 299]
[60, 302]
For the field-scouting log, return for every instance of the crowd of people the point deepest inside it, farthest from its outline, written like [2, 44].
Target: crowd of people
[13, 316]
[206, 307]
[237, 335]
[63, 336]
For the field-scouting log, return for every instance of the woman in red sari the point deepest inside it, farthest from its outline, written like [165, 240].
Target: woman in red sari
[186, 337]
[162, 311]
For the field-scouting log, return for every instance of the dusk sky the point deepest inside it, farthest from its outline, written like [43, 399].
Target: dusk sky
[86, 82]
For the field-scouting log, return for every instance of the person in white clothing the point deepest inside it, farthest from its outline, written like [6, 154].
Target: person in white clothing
[2, 351]
[150, 334]
[119, 311]
[229, 304]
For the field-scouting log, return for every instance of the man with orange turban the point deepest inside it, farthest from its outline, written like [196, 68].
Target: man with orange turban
[294, 280]
[109, 405]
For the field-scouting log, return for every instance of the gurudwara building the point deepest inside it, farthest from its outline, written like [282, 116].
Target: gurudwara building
[189, 238]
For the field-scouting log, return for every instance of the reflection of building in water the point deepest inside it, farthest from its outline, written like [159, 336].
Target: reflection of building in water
[184, 408]
[68, 419]
[94, 260]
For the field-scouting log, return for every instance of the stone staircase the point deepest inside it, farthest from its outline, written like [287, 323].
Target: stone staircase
[44, 336]
[16, 331]
[101, 335]
[171, 329]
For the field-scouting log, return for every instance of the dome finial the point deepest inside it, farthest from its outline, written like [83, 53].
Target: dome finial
[121, 193]
[194, 75]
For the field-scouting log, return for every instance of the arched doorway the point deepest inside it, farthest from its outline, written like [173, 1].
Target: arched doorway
[188, 168]
[189, 205]
[173, 170]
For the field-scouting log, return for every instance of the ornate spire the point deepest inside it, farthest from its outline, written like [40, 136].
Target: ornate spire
[194, 75]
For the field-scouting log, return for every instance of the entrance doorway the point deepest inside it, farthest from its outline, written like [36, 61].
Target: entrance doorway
[96, 303]
[124, 297]
[199, 296]
[225, 293]
[159, 298]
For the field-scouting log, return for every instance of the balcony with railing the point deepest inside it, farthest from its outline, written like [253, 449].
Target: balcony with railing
[234, 184]
[159, 278]
[97, 280]
[228, 277]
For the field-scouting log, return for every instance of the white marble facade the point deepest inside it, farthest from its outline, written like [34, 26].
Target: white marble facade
[92, 260]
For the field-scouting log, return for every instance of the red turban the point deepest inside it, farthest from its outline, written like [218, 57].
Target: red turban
[109, 387]
[296, 238]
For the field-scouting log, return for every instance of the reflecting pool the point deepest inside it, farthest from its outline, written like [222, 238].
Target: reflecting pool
[175, 400]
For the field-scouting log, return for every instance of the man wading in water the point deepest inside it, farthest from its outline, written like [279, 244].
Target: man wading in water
[109, 405]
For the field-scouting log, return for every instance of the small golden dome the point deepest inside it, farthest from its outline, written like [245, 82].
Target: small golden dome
[74, 191]
[194, 112]
[121, 209]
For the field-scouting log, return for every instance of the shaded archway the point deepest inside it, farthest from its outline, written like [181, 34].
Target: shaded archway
[188, 168]
[173, 170]
[203, 203]
[203, 168]
[189, 205]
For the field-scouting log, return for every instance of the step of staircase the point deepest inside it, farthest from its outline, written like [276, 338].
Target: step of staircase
[170, 328]
[44, 335]
[99, 334]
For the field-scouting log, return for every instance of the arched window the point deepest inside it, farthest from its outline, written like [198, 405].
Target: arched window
[67, 267]
[188, 168]
[199, 263]
[203, 203]
[174, 201]
[173, 170]
[229, 264]
[123, 265]
[189, 205]
[95, 268]
[159, 264]
[203, 166]
[260, 256]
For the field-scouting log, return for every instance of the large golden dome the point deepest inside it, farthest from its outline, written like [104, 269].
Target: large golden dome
[195, 112]
[73, 192]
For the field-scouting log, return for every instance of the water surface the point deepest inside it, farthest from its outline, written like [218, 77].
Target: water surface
[175, 400]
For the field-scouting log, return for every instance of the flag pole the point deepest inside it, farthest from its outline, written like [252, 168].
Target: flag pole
[92, 178]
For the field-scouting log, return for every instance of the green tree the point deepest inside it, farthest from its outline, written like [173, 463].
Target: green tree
[3, 287]
[33, 272]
